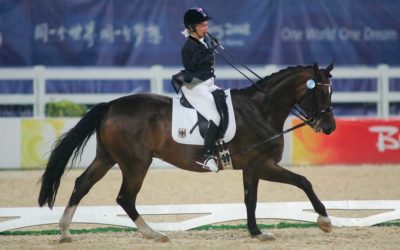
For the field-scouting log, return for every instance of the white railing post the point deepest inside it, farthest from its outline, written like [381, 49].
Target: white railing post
[383, 88]
[157, 79]
[39, 83]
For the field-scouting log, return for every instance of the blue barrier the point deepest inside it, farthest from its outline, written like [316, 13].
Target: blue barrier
[144, 33]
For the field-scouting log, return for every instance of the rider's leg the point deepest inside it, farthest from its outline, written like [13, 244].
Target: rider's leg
[210, 137]
[200, 97]
[222, 107]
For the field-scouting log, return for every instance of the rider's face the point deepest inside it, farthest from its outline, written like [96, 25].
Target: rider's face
[202, 29]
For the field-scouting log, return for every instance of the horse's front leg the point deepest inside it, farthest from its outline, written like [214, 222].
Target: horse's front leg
[250, 184]
[274, 172]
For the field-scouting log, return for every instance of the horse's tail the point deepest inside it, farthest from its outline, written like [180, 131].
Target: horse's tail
[72, 141]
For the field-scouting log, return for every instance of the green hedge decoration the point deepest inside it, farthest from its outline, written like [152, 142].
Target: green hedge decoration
[65, 108]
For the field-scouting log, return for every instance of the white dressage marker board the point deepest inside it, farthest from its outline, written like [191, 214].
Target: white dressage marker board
[207, 214]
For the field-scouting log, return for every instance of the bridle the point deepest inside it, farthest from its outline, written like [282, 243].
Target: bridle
[313, 116]
[309, 117]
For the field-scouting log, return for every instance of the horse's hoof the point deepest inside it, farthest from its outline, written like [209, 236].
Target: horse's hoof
[156, 236]
[265, 237]
[161, 238]
[65, 240]
[324, 224]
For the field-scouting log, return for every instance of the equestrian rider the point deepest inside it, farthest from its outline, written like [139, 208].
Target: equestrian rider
[198, 61]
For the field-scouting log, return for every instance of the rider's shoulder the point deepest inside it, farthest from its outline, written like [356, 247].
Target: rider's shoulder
[189, 45]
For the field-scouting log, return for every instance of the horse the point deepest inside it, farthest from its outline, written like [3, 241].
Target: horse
[133, 129]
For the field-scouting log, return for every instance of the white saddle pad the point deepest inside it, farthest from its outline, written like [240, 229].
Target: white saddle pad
[183, 120]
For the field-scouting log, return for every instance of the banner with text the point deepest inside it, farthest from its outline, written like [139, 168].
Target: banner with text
[142, 33]
[357, 141]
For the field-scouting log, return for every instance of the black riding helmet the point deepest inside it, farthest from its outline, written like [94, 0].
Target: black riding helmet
[195, 16]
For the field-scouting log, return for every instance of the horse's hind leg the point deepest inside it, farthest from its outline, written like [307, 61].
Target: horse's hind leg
[96, 170]
[276, 173]
[131, 184]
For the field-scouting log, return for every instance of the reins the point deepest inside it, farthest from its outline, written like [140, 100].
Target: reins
[300, 114]
[245, 149]
[306, 120]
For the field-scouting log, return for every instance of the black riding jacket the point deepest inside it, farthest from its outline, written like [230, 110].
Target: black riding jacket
[197, 60]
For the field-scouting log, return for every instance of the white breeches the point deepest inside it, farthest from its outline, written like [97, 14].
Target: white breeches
[200, 97]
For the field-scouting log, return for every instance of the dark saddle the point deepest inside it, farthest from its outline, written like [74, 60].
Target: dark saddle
[220, 101]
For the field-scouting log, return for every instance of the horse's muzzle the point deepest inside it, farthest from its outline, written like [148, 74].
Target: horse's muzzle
[327, 124]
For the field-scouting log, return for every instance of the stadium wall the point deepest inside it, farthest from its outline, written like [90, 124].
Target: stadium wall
[26, 143]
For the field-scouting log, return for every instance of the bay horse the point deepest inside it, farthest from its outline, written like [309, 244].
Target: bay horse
[133, 129]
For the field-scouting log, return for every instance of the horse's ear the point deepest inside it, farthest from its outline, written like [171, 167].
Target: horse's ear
[330, 67]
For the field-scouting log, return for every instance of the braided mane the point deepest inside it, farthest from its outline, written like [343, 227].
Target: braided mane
[282, 73]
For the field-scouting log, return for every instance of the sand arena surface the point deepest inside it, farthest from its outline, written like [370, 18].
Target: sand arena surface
[171, 186]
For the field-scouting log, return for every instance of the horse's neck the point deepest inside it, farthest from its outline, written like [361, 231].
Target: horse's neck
[285, 94]
[277, 100]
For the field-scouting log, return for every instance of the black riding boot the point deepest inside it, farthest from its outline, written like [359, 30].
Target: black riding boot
[210, 137]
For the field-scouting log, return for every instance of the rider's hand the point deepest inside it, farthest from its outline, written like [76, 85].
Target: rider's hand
[213, 42]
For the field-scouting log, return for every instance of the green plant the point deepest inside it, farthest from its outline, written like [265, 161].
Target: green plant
[65, 108]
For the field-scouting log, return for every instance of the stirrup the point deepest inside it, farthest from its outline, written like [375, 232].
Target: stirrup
[211, 167]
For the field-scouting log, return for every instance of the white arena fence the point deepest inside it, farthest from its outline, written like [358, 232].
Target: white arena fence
[157, 75]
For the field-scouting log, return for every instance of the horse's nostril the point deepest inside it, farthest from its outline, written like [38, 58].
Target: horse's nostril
[328, 130]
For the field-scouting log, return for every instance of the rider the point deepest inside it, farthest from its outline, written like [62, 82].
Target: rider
[198, 61]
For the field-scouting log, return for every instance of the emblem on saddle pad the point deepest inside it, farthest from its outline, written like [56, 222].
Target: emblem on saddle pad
[182, 133]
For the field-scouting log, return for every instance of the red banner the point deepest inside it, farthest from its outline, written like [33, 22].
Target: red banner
[354, 141]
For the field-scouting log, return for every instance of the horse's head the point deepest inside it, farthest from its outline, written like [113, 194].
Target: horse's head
[315, 99]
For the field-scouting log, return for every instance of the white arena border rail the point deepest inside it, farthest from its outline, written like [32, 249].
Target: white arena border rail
[157, 74]
[207, 214]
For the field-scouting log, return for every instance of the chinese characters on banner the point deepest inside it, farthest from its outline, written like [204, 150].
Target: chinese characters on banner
[139, 33]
